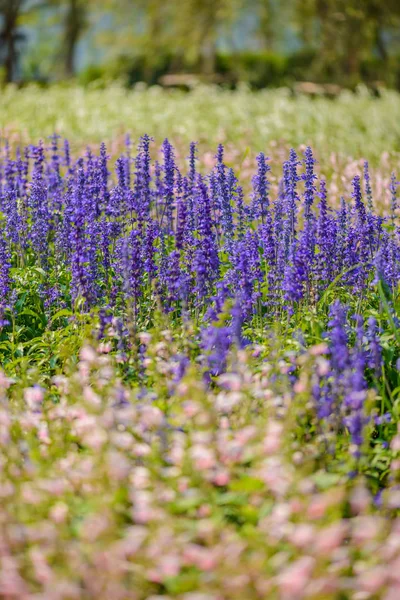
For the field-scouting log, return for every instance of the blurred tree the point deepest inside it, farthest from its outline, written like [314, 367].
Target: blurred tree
[138, 29]
[384, 16]
[345, 32]
[155, 39]
[339, 36]
[73, 16]
[75, 23]
[10, 35]
[267, 15]
[197, 24]
[12, 15]
[305, 20]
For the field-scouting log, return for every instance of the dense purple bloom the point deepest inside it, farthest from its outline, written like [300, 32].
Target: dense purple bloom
[142, 191]
[292, 284]
[206, 261]
[67, 155]
[309, 178]
[5, 266]
[193, 245]
[291, 194]
[326, 238]
[260, 198]
[169, 169]
[368, 189]
[182, 234]
[215, 342]
[83, 248]
[38, 204]
[175, 280]
[132, 266]
[192, 162]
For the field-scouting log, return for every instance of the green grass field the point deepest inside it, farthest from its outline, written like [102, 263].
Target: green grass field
[358, 126]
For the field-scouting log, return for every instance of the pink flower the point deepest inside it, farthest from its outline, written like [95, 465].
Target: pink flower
[246, 434]
[93, 526]
[319, 349]
[318, 506]
[95, 439]
[144, 338]
[203, 457]
[393, 593]
[393, 498]
[104, 347]
[272, 439]
[167, 566]
[33, 397]
[204, 511]
[151, 416]
[140, 477]
[191, 408]
[292, 581]
[330, 538]
[59, 512]
[230, 381]
[226, 401]
[372, 580]
[395, 443]
[91, 397]
[43, 573]
[141, 450]
[5, 382]
[203, 558]
[118, 465]
[360, 499]
[221, 478]
[302, 536]
[365, 529]
[88, 354]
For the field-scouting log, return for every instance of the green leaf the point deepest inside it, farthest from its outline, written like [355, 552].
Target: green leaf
[186, 504]
[325, 480]
[247, 484]
[231, 498]
[186, 582]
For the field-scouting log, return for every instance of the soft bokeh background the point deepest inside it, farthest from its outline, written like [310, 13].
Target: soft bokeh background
[251, 74]
[261, 42]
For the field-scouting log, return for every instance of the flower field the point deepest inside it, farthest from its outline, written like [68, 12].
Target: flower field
[200, 350]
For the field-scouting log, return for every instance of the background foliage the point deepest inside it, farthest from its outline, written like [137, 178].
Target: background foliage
[262, 42]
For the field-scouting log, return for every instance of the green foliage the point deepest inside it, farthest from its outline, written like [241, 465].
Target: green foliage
[258, 69]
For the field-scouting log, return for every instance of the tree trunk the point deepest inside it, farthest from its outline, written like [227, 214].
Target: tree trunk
[8, 37]
[207, 47]
[74, 24]
[380, 44]
[208, 57]
[10, 60]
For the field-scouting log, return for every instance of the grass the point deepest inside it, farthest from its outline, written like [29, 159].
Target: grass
[354, 125]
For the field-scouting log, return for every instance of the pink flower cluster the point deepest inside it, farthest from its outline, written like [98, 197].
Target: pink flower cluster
[188, 491]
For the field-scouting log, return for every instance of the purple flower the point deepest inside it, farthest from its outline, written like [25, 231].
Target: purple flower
[169, 169]
[368, 189]
[309, 177]
[142, 191]
[260, 197]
